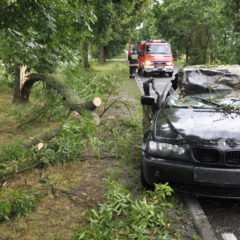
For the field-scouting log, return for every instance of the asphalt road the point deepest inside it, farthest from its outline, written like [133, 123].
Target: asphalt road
[161, 81]
[223, 215]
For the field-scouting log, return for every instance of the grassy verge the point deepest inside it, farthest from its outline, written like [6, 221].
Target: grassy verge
[67, 194]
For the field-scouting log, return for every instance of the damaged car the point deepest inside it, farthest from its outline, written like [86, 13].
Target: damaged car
[192, 133]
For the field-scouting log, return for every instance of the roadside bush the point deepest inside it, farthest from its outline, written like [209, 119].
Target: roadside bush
[125, 140]
[16, 203]
[66, 146]
[12, 152]
[121, 217]
[5, 80]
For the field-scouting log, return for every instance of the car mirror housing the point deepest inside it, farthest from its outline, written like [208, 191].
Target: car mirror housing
[147, 100]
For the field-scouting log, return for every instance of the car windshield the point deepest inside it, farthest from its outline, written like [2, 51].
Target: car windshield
[224, 99]
[158, 49]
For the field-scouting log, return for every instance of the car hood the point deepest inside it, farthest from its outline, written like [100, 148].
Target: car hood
[198, 124]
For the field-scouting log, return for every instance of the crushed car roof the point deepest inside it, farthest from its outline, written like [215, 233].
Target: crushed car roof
[201, 80]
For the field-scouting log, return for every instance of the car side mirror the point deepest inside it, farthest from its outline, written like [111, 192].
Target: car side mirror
[146, 86]
[147, 100]
[175, 82]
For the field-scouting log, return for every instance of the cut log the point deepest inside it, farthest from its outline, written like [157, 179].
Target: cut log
[92, 104]
[42, 138]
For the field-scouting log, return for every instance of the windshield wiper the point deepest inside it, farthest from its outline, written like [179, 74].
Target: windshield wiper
[206, 101]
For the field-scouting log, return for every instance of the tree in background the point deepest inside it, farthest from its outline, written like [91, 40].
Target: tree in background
[191, 26]
[116, 20]
[40, 34]
[204, 31]
[231, 36]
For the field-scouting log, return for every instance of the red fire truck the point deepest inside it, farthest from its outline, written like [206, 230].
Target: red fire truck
[154, 56]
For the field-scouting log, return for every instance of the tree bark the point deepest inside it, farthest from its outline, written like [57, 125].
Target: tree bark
[84, 52]
[101, 57]
[17, 89]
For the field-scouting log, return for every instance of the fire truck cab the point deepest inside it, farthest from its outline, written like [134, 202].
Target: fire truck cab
[155, 56]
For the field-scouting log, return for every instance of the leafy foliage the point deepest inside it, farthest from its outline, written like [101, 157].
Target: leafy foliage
[12, 152]
[89, 83]
[127, 136]
[63, 148]
[122, 217]
[66, 146]
[16, 203]
[115, 22]
[206, 31]
[40, 34]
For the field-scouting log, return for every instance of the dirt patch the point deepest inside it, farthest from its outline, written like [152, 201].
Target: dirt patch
[58, 217]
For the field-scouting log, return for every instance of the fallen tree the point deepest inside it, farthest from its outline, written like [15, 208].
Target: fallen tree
[73, 101]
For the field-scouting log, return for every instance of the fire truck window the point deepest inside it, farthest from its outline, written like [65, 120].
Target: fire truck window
[158, 49]
[133, 48]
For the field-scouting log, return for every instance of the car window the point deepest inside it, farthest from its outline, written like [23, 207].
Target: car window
[213, 100]
[158, 49]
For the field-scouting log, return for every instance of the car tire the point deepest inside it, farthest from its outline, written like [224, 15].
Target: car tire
[145, 73]
[170, 74]
[145, 184]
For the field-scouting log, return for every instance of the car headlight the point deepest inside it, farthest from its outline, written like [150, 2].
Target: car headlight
[166, 150]
[147, 62]
[169, 63]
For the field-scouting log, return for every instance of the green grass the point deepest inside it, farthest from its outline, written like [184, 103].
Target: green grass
[121, 56]
[120, 71]
[121, 216]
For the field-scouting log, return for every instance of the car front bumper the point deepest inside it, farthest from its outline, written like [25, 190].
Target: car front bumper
[195, 179]
[167, 69]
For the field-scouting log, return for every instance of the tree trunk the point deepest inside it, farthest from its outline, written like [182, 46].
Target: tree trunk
[20, 96]
[187, 54]
[17, 89]
[101, 57]
[84, 53]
